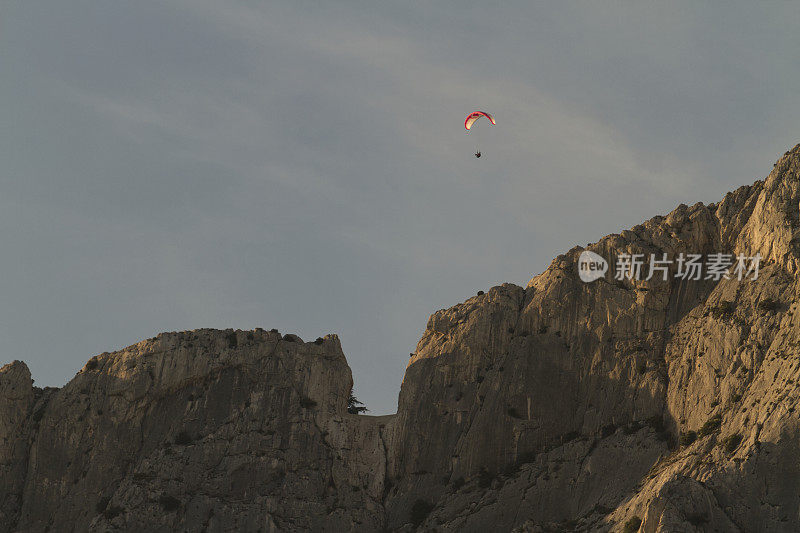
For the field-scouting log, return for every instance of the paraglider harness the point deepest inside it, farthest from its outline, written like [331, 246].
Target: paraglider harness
[471, 118]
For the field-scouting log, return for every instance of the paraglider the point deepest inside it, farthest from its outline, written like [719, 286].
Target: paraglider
[470, 120]
[472, 117]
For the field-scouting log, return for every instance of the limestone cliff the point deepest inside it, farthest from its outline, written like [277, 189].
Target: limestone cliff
[617, 405]
[204, 430]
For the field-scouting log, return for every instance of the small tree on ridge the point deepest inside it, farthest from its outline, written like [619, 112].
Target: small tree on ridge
[355, 407]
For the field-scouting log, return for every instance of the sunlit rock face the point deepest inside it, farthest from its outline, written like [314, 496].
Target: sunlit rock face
[666, 403]
[503, 388]
[222, 430]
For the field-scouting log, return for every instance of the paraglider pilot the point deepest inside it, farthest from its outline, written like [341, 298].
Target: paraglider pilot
[470, 120]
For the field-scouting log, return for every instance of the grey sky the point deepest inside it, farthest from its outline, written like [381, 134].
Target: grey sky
[302, 165]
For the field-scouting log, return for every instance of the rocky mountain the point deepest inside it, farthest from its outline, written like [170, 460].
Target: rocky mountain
[619, 405]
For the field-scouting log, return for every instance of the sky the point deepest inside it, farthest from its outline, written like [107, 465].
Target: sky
[180, 164]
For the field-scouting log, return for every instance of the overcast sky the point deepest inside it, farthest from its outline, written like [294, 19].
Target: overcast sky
[172, 165]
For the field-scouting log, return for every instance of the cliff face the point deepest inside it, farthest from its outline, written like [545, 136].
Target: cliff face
[559, 406]
[571, 397]
[16, 402]
[207, 430]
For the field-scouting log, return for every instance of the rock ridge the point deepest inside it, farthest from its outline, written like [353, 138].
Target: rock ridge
[561, 405]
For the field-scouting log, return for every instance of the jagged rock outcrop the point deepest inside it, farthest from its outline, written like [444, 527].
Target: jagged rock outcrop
[666, 405]
[506, 375]
[16, 403]
[214, 430]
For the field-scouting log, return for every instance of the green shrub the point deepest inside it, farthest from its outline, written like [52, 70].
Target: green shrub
[485, 479]
[697, 519]
[711, 425]
[731, 442]
[387, 486]
[319, 341]
[656, 422]
[101, 504]
[420, 511]
[91, 364]
[768, 305]
[601, 509]
[169, 503]
[307, 403]
[39, 413]
[354, 406]
[513, 413]
[112, 511]
[607, 431]
[632, 525]
[632, 427]
[723, 310]
[183, 438]
[233, 342]
[481, 293]
[525, 458]
[569, 437]
[688, 438]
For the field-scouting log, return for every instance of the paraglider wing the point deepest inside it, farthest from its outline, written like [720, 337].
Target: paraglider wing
[472, 117]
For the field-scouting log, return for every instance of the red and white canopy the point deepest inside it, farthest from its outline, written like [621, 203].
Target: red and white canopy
[472, 117]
